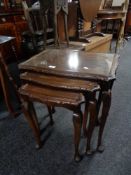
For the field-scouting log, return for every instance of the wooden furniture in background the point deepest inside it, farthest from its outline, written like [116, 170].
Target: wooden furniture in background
[36, 29]
[115, 14]
[128, 20]
[6, 78]
[97, 44]
[78, 65]
[89, 9]
[12, 22]
[79, 29]
[56, 6]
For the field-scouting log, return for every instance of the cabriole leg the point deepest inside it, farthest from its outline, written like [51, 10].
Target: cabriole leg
[77, 121]
[106, 107]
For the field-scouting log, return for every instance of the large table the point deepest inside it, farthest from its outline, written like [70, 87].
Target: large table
[97, 67]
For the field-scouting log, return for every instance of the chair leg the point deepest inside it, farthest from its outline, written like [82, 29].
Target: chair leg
[77, 121]
[66, 29]
[56, 32]
[25, 108]
[45, 30]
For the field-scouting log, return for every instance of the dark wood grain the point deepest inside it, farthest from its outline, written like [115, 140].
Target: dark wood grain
[51, 96]
[89, 8]
[58, 82]
[77, 66]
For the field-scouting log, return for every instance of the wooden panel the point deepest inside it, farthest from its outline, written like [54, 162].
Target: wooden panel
[97, 45]
[7, 29]
[13, 25]
[72, 22]
[128, 20]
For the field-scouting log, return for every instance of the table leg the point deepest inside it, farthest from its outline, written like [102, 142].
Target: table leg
[106, 107]
[85, 116]
[56, 31]
[50, 114]
[6, 93]
[36, 131]
[91, 126]
[98, 106]
[77, 121]
[33, 114]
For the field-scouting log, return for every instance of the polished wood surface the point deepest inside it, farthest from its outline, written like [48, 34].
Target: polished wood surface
[58, 82]
[5, 39]
[74, 63]
[110, 14]
[89, 8]
[13, 24]
[78, 65]
[52, 97]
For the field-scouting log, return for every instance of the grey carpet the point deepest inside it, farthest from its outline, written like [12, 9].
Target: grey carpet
[17, 146]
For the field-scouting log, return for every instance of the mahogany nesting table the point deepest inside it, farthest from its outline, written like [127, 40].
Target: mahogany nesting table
[78, 65]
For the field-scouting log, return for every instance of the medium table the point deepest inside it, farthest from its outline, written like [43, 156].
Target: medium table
[97, 67]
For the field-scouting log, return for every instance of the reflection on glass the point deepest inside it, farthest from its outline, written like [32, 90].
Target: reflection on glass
[73, 60]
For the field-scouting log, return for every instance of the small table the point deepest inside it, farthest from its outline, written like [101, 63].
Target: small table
[97, 67]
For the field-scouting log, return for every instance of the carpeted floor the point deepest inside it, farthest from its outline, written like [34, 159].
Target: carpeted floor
[17, 146]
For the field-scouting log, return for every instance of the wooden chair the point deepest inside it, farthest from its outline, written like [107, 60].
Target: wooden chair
[114, 16]
[56, 6]
[38, 27]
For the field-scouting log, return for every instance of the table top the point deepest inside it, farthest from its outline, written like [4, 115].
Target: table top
[73, 63]
[5, 39]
